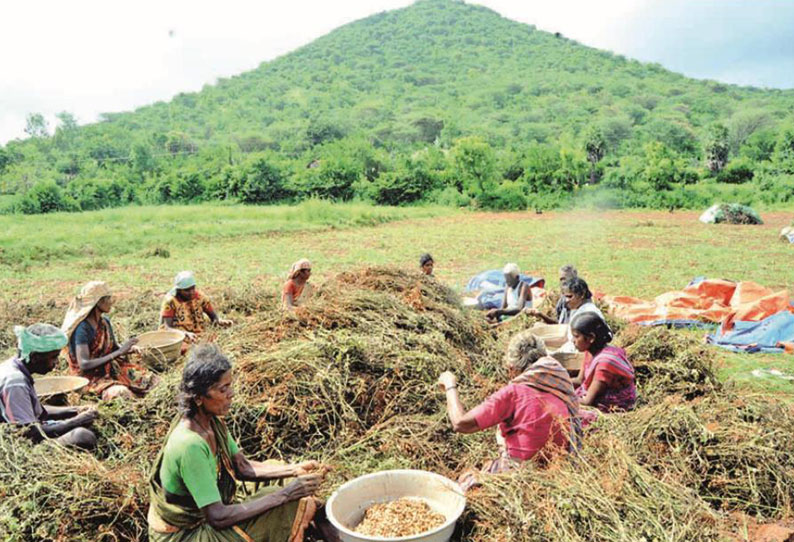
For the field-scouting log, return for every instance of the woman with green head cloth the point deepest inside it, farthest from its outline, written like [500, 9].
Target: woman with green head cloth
[38, 348]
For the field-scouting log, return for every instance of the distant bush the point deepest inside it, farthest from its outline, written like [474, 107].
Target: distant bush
[44, 197]
[738, 171]
[263, 183]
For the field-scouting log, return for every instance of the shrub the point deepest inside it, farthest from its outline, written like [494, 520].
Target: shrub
[263, 183]
[738, 171]
[44, 197]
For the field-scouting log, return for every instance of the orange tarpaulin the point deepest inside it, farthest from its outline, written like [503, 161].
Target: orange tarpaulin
[714, 300]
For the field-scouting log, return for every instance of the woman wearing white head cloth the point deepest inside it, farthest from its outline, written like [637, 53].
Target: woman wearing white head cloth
[93, 351]
[184, 307]
[38, 347]
[296, 285]
[517, 296]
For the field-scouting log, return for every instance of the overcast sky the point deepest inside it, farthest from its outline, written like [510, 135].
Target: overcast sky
[94, 56]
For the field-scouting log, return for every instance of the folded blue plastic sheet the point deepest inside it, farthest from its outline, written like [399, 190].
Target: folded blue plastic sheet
[763, 336]
[492, 284]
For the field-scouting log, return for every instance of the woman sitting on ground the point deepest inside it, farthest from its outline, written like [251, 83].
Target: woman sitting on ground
[296, 285]
[537, 411]
[606, 380]
[426, 264]
[93, 352]
[561, 312]
[517, 296]
[193, 484]
[578, 300]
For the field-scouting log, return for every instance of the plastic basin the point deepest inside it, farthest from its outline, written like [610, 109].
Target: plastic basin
[347, 505]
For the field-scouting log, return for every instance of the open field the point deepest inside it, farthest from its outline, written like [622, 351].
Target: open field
[639, 253]
[351, 379]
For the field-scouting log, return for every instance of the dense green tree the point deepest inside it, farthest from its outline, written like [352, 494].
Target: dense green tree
[473, 163]
[264, 183]
[784, 150]
[717, 148]
[595, 145]
[36, 125]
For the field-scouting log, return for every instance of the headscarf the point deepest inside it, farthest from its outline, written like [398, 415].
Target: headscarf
[38, 338]
[183, 281]
[83, 304]
[547, 375]
[299, 266]
[511, 269]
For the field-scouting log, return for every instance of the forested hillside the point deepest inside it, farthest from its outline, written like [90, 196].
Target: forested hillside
[440, 101]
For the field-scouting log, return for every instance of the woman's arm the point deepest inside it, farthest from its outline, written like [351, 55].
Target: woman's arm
[462, 421]
[254, 471]
[84, 355]
[593, 393]
[221, 516]
[538, 314]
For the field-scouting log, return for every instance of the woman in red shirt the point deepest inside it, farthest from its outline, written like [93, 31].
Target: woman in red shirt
[537, 411]
[299, 275]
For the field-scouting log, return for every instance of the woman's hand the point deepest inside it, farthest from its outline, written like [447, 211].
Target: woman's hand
[125, 348]
[190, 336]
[304, 486]
[447, 380]
[222, 322]
[306, 467]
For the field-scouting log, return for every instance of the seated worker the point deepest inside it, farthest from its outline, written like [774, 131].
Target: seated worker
[93, 351]
[38, 347]
[561, 312]
[606, 380]
[296, 289]
[537, 411]
[194, 481]
[426, 264]
[517, 296]
[184, 308]
[578, 300]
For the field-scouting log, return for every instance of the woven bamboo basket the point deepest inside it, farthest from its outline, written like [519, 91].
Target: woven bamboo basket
[48, 386]
[570, 360]
[161, 346]
[554, 335]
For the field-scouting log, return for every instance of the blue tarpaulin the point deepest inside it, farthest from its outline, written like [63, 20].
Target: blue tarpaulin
[764, 336]
[492, 284]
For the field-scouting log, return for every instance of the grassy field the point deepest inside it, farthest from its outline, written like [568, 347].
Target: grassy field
[46, 258]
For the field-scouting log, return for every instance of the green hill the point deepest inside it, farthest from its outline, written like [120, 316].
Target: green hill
[439, 101]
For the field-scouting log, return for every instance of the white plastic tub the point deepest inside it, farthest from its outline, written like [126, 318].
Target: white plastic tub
[347, 505]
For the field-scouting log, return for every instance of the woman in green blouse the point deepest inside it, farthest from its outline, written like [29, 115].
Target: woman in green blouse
[193, 483]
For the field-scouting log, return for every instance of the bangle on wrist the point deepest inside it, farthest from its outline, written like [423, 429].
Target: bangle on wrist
[454, 386]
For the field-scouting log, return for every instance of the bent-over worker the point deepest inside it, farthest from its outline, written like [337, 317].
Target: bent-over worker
[537, 411]
[38, 348]
[517, 296]
[184, 308]
[93, 351]
[296, 289]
